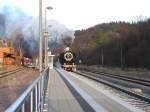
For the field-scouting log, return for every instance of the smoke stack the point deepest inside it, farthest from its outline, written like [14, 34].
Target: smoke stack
[67, 49]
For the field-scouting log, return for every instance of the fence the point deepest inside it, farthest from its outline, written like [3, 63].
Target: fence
[33, 98]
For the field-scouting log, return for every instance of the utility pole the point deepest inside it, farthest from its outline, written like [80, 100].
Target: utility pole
[40, 35]
[121, 58]
[46, 36]
[102, 56]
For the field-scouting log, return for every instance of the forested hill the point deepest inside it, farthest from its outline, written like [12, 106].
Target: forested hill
[115, 43]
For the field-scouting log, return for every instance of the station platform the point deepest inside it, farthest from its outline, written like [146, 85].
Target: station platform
[60, 97]
[69, 93]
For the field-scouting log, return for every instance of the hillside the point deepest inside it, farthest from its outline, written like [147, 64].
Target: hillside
[115, 44]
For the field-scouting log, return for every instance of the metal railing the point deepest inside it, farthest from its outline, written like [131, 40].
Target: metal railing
[33, 98]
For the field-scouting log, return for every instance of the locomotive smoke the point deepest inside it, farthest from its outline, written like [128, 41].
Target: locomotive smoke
[2, 25]
[60, 36]
[22, 29]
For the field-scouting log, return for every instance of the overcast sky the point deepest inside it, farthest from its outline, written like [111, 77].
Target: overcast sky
[81, 14]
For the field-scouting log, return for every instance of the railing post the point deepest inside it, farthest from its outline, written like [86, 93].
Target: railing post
[39, 97]
[41, 84]
[31, 102]
[23, 108]
[36, 98]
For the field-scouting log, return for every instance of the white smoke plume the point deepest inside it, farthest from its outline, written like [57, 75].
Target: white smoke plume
[22, 29]
[60, 36]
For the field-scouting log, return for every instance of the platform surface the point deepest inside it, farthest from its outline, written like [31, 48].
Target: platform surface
[68, 92]
[60, 97]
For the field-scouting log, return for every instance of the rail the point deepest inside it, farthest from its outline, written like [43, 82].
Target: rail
[116, 86]
[33, 98]
[11, 72]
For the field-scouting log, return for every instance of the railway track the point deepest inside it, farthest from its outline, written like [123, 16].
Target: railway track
[11, 72]
[96, 77]
[123, 77]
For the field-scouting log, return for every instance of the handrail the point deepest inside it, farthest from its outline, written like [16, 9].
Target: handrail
[33, 98]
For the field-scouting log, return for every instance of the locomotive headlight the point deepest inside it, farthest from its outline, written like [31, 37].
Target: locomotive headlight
[68, 56]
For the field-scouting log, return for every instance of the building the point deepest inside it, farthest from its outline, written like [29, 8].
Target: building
[50, 60]
[7, 54]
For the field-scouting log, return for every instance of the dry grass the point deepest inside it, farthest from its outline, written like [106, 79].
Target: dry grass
[12, 86]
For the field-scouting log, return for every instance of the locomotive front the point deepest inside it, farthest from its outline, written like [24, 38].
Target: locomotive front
[67, 60]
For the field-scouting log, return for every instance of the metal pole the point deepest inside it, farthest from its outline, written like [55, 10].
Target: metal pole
[121, 59]
[45, 18]
[23, 108]
[45, 42]
[36, 97]
[39, 94]
[102, 56]
[31, 102]
[47, 51]
[40, 35]
[46, 37]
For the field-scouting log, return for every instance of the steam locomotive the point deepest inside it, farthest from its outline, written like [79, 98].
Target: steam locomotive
[67, 60]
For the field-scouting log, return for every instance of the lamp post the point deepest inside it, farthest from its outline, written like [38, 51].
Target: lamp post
[46, 36]
[40, 35]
